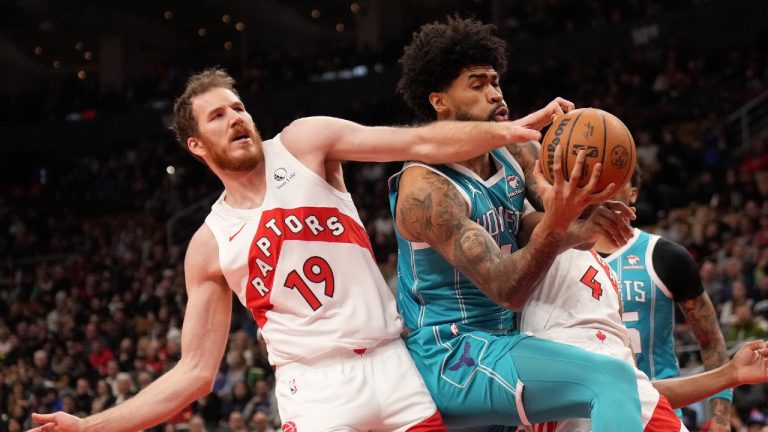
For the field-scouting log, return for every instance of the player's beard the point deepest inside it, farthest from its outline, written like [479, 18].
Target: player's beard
[462, 115]
[246, 160]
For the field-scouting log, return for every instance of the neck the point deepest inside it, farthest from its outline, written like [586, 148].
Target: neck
[244, 190]
[481, 165]
[604, 246]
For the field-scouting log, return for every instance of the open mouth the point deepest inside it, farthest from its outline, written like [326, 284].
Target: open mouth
[501, 114]
[241, 137]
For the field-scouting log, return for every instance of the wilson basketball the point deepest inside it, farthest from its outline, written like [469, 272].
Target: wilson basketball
[602, 135]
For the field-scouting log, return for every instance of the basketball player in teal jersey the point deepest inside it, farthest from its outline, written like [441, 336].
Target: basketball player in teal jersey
[462, 273]
[655, 274]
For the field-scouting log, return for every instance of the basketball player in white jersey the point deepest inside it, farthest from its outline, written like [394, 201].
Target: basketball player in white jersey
[578, 303]
[287, 239]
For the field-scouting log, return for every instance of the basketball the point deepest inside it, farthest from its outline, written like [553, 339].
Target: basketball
[602, 135]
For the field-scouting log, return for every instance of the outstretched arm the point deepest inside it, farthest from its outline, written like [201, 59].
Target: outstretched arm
[436, 143]
[526, 153]
[320, 139]
[431, 210]
[748, 366]
[203, 340]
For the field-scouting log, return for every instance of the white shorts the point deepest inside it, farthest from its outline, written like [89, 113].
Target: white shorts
[656, 413]
[376, 390]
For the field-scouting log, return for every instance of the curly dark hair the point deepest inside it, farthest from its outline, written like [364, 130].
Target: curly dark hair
[438, 53]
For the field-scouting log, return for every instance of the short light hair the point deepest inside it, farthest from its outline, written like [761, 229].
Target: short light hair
[184, 124]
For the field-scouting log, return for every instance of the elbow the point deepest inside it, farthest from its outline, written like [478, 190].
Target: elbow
[506, 296]
[514, 306]
[204, 383]
[200, 380]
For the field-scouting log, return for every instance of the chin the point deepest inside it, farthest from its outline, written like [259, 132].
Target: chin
[243, 165]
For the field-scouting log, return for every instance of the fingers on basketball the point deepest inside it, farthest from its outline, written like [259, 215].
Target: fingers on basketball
[604, 139]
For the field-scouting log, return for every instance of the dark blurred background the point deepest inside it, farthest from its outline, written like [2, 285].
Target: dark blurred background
[97, 201]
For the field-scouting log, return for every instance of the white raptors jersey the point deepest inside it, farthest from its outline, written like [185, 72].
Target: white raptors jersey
[303, 265]
[578, 303]
[578, 292]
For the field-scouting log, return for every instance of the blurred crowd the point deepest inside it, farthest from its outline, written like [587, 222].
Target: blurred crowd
[91, 279]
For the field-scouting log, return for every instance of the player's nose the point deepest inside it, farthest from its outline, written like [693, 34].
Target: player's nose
[495, 95]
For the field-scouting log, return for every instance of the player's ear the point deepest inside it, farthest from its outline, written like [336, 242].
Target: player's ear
[438, 102]
[633, 192]
[195, 146]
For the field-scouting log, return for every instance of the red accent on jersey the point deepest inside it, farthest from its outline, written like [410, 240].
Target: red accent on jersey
[432, 424]
[238, 232]
[604, 265]
[545, 427]
[289, 427]
[664, 418]
[359, 351]
[588, 279]
[317, 270]
[313, 224]
[600, 335]
[294, 280]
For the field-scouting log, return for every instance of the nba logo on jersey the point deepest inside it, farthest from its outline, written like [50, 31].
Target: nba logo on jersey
[292, 386]
[514, 183]
[289, 427]
[633, 262]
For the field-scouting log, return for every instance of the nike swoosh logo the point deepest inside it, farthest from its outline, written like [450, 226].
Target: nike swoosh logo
[238, 232]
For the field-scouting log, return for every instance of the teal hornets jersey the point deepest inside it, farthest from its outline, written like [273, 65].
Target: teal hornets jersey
[431, 292]
[649, 307]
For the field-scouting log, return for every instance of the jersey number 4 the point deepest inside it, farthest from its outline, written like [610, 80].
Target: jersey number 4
[589, 280]
[315, 270]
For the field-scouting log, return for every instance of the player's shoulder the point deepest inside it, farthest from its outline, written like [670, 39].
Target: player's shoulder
[425, 179]
[203, 250]
[669, 251]
[677, 270]
[525, 154]
[310, 137]
[418, 170]
[313, 127]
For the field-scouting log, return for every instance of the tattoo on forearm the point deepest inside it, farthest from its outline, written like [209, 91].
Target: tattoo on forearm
[533, 197]
[701, 317]
[474, 247]
[721, 412]
[509, 279]
[529, 265]
[436, 210]
[526, 155]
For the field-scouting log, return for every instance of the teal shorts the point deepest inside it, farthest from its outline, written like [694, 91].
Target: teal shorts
[480, 379]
